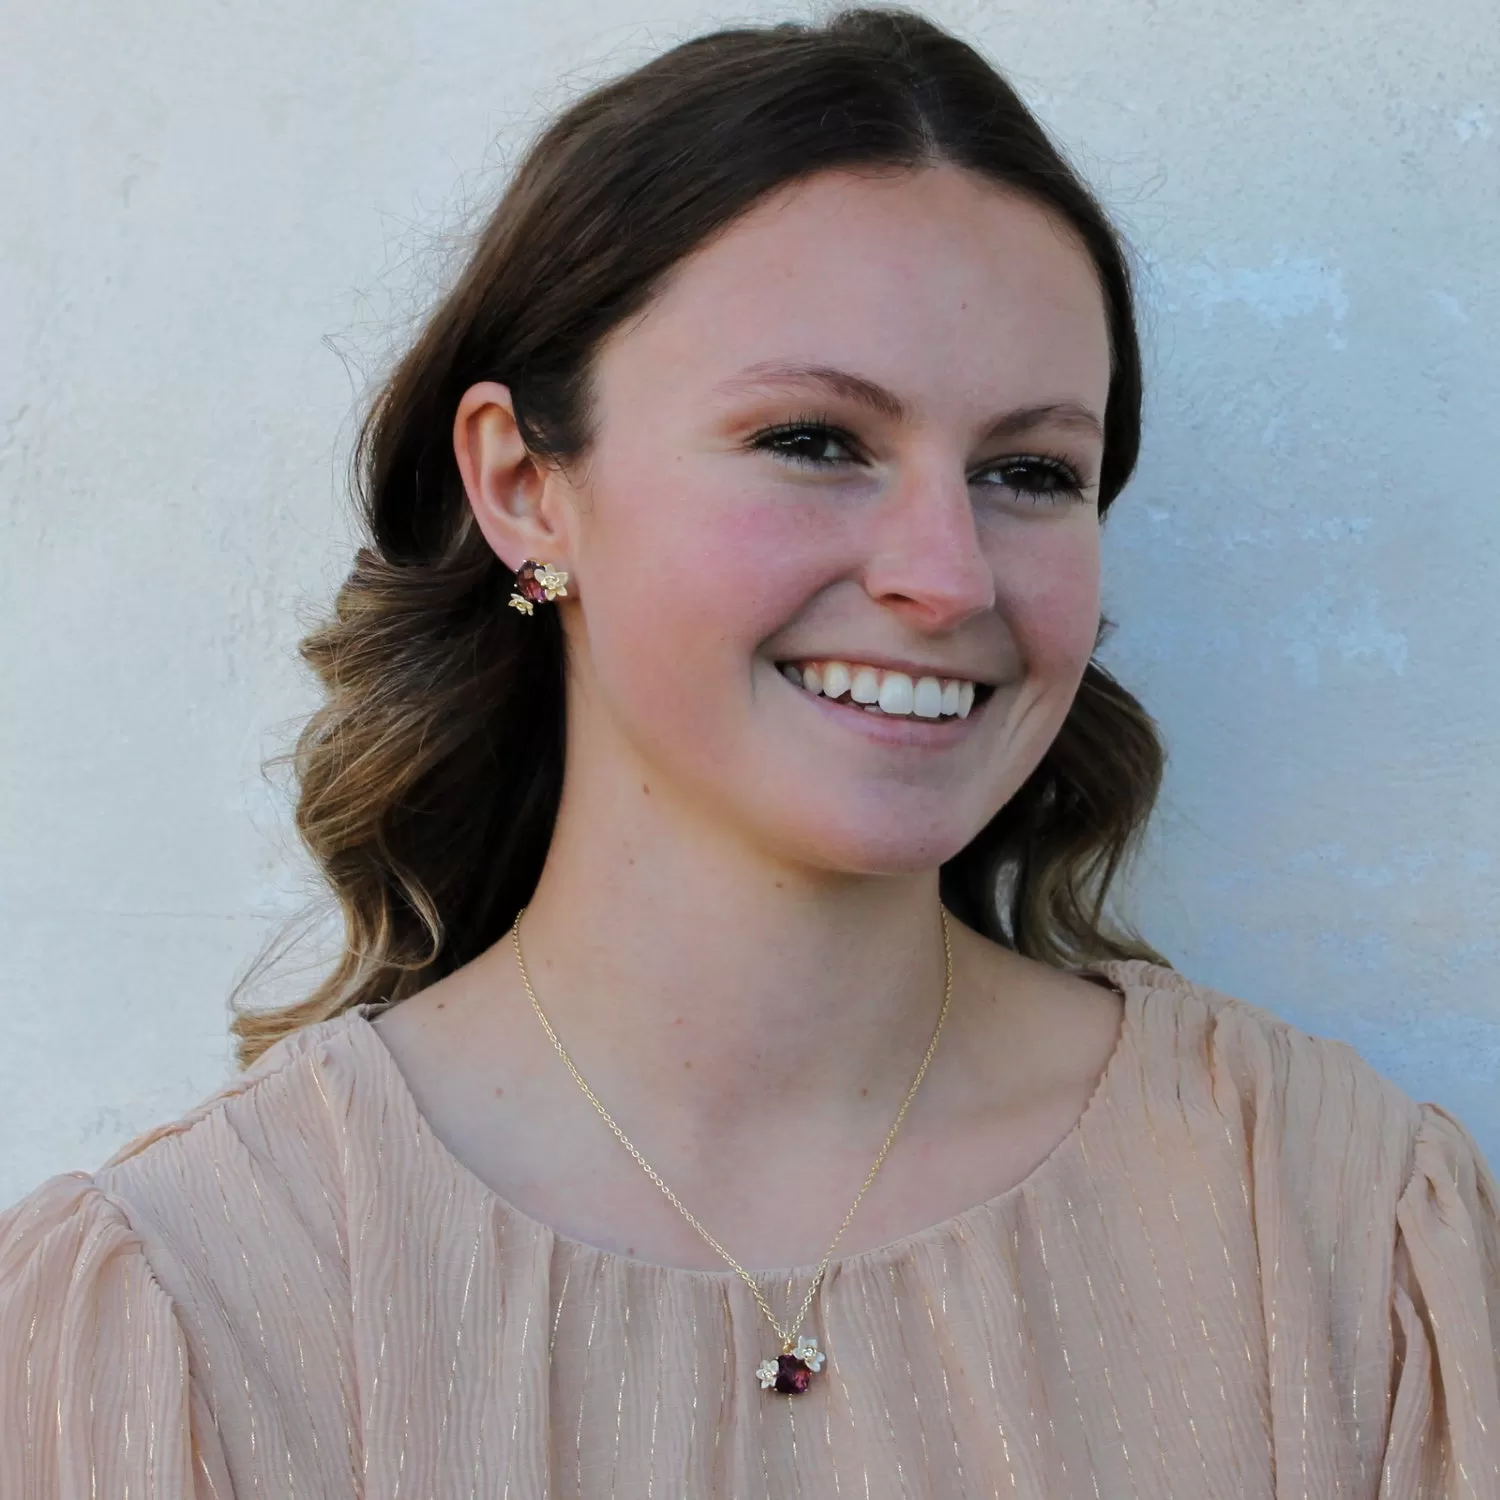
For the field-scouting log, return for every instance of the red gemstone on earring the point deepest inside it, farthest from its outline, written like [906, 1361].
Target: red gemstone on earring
[526, 583]
[792, 1375]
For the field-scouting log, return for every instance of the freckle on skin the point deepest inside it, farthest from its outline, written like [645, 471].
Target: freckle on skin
[441, 1004]
[645, 789]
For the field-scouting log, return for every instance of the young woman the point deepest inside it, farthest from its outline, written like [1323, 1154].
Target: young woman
[731, 1085]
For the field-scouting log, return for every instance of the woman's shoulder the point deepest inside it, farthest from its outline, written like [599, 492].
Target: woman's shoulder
[279, 1113]
[1376, 1209]
[1314, 1115]
[256, 1163]
[1278, 1070]
[121, 1287]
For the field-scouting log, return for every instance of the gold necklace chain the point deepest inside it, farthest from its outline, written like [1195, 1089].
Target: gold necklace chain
[788, 1335]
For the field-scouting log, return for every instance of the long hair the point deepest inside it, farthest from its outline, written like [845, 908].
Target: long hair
[429, 779]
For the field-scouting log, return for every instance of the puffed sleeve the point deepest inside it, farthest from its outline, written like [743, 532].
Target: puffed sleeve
[94, 1395]
[1444, 1434]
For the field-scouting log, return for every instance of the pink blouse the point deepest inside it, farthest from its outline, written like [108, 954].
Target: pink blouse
[1254, 1268]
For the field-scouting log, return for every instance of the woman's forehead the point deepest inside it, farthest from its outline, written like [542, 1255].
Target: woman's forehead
[932, 283]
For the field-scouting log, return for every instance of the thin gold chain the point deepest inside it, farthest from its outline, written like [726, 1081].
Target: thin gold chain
[787, 1335]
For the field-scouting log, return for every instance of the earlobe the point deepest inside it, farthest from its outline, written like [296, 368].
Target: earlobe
[505, 486]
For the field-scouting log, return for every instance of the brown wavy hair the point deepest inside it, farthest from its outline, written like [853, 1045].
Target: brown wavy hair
[429, 779]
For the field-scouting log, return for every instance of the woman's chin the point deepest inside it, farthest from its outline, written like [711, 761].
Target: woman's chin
[893, 849]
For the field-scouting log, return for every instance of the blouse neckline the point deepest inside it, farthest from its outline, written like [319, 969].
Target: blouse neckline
[397, 1094]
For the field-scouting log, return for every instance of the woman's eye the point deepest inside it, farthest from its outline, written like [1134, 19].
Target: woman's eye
[805, 443]
[1040, 479]
[816, 444]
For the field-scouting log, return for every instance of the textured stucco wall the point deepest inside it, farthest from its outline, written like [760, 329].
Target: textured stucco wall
[217, 218]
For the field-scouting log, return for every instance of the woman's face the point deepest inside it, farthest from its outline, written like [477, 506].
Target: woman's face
[853, 446]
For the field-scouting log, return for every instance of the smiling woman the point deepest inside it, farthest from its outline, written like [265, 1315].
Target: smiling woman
[733, 1081]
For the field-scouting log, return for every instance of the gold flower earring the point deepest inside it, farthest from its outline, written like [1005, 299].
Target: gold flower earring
[536, 583]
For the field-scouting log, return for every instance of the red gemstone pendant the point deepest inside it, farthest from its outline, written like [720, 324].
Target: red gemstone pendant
[792, 1375]
[792, 1370]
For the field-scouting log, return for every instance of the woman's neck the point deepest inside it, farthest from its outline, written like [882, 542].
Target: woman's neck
[723, 981]
[754, 1028]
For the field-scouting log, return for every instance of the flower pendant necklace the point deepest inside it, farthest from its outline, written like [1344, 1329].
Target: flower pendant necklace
[791, 1370]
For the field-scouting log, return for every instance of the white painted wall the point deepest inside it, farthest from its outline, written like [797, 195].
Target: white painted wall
[217, 218]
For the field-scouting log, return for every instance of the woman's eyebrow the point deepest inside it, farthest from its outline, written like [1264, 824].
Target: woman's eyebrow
[775, 374]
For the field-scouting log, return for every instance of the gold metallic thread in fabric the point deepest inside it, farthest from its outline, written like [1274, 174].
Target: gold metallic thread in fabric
[297, 1290]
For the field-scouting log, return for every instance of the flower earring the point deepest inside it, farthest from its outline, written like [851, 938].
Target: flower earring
[536, 583]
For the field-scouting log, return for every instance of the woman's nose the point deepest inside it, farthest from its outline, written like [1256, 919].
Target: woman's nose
[926, 559]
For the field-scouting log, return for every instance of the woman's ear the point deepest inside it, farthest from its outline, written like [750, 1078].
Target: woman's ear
[513, 499]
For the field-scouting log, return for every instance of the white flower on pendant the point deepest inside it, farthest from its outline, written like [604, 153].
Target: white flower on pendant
[808, 1352]
[767, 1373]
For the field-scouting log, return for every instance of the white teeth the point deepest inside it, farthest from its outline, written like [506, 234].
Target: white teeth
[895, 693]
[927, 700]
[884, 692]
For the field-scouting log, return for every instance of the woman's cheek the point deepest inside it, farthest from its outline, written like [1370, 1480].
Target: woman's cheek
[690, 594]
[746, 563]
[1047, 586]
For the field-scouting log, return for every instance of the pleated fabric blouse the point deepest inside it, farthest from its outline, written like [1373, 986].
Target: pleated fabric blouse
[1254, 1268]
